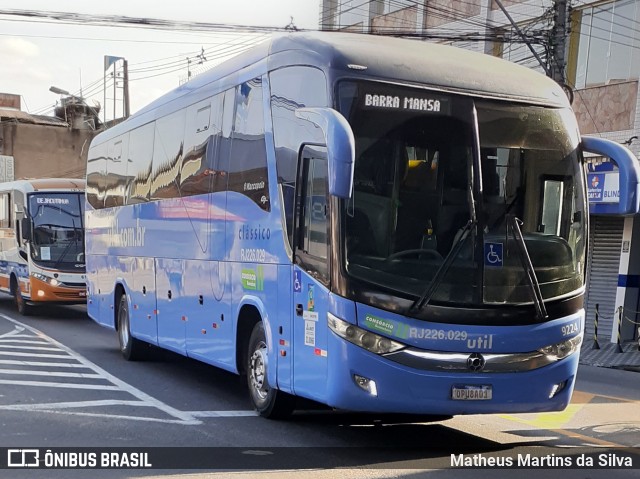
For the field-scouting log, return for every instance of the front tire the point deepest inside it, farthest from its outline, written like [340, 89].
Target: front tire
[21, 305]
[132, 349]
[269, 402]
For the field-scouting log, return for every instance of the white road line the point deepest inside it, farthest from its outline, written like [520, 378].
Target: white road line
[49, 373]
[18, 336]
[17, 362]
[35, 348]
[118, 416]
[223, 413]
[36, 355]
[15, 333]
[71, 405]
[183, 417]
[97, 387]
[71, 408]
[22, 341]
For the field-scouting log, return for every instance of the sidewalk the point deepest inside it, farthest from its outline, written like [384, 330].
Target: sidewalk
[608, 355]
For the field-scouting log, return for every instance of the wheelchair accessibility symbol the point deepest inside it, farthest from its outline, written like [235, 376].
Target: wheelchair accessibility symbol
[493, 254]
[297, 281]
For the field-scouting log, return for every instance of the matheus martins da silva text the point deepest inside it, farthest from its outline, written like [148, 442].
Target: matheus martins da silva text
[606, 460]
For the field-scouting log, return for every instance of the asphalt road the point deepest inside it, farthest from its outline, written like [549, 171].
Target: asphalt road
[63, 384]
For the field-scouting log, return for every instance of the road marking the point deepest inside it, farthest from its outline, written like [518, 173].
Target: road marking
[45, 384]
[34, 355]
[76, 404]
[559, 422]
[41, 363]
[48, 373]
[224, 413]
[22, 341]
[547, 420]
[37, 348]
[75, 360]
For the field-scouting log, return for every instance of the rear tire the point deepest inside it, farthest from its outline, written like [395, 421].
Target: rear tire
[269, 402]
[132, 349]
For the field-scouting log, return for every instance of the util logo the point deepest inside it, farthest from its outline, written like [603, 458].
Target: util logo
[595, 181]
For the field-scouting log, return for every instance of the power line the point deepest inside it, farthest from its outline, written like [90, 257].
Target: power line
[128, 22]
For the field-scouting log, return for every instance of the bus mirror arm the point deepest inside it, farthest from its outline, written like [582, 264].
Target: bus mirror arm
[340, 147]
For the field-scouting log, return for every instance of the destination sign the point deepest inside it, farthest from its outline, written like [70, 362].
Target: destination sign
[52, 201]
[413, 102]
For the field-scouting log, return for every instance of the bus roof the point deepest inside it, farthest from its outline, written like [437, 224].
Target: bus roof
[43, 184]
[385, 58]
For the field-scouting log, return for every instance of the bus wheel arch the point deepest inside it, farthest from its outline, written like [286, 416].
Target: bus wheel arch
[252, 361]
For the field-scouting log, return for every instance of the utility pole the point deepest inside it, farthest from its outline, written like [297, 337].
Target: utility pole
[559, 41]
[126, 89]
[524, 38]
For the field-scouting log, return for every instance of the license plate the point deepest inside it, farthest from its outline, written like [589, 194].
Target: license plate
[471, 393]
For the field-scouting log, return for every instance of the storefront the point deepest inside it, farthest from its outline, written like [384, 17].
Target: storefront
[613, 277]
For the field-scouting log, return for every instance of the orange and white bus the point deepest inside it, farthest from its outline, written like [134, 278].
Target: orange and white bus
[42, 242]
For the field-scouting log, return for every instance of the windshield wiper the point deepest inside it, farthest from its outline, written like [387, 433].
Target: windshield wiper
[525, 259]
[69, 244]
[423, 300]
[64, 253]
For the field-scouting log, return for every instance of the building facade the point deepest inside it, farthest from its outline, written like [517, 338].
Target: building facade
[36, 146]
[596, 50]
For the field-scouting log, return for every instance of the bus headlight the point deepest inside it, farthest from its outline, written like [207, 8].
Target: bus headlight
[361, 337]
[46, 279]
[562, 350]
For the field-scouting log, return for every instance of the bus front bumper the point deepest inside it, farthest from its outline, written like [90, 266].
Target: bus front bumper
[402, 389]
[43, 292]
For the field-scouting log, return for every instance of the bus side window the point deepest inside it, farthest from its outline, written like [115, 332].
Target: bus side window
[168, 150]
[139, 163]
[248, 172]
[312, 206]
[96, 175]
[201, 140]
[5, 211]
[293, 87]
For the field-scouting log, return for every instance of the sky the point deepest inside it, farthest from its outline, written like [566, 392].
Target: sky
[36, 55]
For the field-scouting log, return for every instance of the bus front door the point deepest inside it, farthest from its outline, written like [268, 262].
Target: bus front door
[311, 276]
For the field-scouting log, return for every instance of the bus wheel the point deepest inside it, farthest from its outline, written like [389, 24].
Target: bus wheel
[269, 402]
[21, 305]
[130, 347]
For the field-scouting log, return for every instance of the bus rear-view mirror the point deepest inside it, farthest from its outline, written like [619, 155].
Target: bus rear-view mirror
[340, 147]
[629, 170]
[25, 229]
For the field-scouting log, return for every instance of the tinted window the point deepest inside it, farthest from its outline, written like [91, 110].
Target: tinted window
[224, 149]
[315, 219]
[96, 172]
[139, 164]
[116, 178]
[248, 162]
[292, 88]
[202, 136]
[312, 236]
[167, 155]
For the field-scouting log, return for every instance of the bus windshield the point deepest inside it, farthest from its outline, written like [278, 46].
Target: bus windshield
[500, 184]
[58, 228]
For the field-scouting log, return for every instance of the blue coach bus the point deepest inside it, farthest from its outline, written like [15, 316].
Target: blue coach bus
[376, 224]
